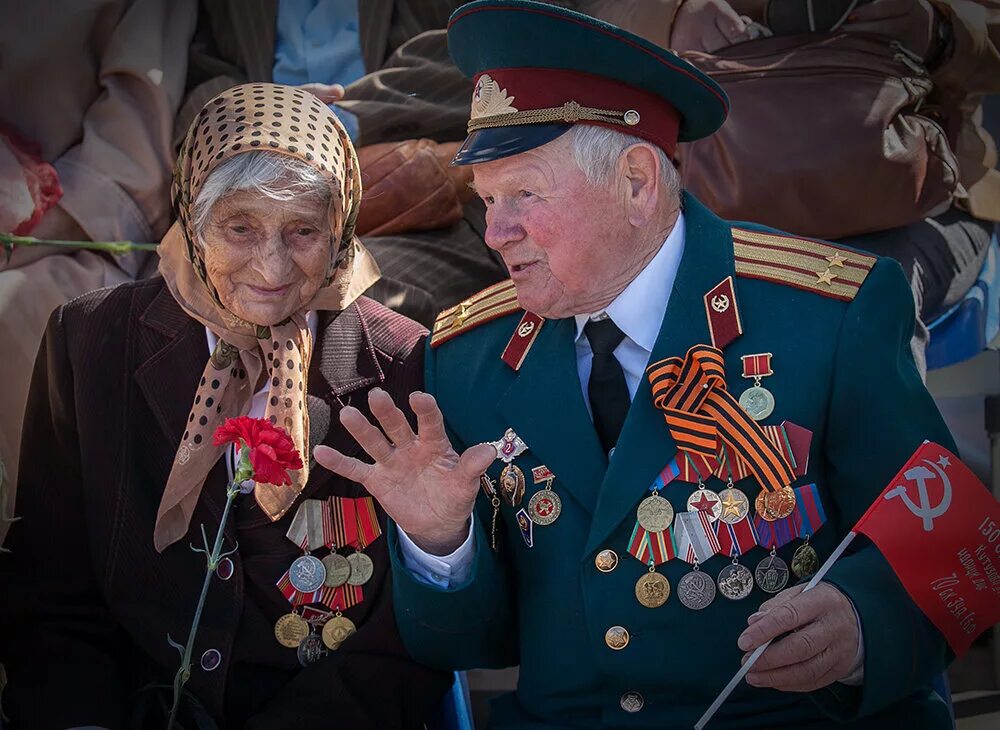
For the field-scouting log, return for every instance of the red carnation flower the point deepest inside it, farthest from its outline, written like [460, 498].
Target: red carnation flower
[272, 452]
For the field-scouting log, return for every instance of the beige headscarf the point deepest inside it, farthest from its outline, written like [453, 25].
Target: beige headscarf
[286, 121]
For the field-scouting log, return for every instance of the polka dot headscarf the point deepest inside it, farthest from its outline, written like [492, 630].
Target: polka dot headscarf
[286, 121]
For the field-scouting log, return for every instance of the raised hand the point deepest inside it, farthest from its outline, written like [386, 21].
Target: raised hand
[422, 483]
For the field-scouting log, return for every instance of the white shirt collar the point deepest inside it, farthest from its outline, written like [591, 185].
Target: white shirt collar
[639, 309]
[311, 319]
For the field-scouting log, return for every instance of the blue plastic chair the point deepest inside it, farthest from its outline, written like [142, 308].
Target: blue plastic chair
[455, 712]
[973, 323]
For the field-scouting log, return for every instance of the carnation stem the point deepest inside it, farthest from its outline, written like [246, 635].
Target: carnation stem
[212, 562]
[116, 247]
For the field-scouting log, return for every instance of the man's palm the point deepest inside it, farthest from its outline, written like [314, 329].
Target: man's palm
[418, 478]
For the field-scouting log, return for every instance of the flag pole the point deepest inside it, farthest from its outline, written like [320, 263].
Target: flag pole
[820, 574]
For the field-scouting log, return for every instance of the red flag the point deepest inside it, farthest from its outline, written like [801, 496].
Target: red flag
[939, 528]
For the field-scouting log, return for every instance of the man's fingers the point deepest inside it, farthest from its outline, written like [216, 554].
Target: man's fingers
[788, 616]
[785, 595]
[430, 422]
[346, 466]
[390, 418]
[326, 93]
[799, 646]
[802, 677]
[367, 435]
[476, 459]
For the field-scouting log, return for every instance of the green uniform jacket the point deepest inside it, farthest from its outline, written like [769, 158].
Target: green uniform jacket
[842, 369]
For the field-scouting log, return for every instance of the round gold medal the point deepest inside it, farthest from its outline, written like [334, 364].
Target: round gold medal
[362, 569]
[336, 630]
[290, 630]
[338, 570]
[776, 505]
[652, 590]
[655, 513]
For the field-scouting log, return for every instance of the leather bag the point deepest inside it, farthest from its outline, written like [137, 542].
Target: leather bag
[829, 135]
[408, 186]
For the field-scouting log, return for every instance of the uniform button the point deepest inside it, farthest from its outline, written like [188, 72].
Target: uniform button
[224, 569]
[606, 561]
[211, 659]
[632, 702]
[616, 638]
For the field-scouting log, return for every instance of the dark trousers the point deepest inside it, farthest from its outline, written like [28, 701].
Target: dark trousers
[424, 273]
[941, 257]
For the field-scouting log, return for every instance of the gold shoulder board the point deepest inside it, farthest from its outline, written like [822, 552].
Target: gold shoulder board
[489, 304]
[823, 268]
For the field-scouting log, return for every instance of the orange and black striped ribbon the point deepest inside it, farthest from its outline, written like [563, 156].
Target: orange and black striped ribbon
[691, 392]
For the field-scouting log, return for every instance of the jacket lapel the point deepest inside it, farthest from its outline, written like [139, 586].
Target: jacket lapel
[172, 353]
[545, 407]
[645, 445]
[343, 364]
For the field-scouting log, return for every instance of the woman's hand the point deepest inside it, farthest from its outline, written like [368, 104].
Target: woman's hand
[418, 478]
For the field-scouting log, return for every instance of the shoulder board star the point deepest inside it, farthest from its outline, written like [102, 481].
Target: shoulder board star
[789, 260]
[491, 303]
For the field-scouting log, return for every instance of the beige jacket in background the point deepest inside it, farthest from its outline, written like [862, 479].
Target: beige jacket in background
[97, 84]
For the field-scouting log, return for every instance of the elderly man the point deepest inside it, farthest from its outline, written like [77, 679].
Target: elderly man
[638, 525]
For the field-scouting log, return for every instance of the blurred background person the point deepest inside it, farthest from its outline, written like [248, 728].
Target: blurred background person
[92, 86]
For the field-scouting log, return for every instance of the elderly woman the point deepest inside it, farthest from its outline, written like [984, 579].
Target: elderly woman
[119, 470]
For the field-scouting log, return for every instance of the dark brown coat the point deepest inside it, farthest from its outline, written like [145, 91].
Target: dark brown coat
[87, 603]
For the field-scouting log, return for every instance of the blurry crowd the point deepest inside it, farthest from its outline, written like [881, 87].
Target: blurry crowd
[852, 121]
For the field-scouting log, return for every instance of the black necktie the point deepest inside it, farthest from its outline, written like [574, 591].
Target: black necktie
[608, 392]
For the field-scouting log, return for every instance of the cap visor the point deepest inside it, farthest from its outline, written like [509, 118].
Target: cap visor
[485, 145]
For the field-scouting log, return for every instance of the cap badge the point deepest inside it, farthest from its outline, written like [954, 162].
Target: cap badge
[489, 99]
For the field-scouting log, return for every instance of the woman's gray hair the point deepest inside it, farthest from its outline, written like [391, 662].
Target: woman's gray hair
[597, 149]
[271, 174]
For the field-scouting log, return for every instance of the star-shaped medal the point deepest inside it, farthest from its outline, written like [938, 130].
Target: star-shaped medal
[704, 504]
[730, 506]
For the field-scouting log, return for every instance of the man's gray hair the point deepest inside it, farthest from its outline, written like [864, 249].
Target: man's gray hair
[597, 149]
[271, 174]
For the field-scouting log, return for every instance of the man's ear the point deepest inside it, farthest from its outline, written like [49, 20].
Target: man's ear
[639, 177]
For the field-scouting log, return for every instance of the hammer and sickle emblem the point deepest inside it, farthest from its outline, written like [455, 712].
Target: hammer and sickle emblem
[921, 475]
[720, 303]
[526, 329]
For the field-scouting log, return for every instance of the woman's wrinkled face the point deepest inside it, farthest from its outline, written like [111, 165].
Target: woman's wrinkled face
[266, 258]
